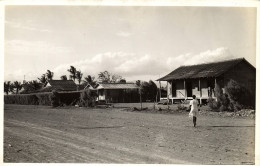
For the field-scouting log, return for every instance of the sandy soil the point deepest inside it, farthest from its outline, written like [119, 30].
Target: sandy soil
[78, 135]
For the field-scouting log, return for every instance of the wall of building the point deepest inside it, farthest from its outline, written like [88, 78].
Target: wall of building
[181, 92]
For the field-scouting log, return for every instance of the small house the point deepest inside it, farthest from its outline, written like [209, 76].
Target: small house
[201, 79]
[117, 92]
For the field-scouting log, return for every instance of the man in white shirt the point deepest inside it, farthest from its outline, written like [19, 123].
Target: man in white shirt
[194, 109]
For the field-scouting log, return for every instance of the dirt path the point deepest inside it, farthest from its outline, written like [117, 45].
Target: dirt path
[42, 134]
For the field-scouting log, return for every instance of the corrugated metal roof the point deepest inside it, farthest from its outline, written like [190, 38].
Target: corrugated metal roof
[65, 85]
[117, 86]
[202, 70]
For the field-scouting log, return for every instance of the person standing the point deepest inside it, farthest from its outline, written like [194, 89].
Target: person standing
[194, 111]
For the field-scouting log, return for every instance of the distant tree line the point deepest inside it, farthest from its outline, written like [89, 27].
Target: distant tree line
[74, 74]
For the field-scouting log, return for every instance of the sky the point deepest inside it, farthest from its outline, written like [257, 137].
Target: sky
[138, 43]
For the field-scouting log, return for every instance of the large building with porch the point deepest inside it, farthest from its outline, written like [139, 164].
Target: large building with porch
[201, 79]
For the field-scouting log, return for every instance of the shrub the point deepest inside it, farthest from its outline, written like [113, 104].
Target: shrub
[26, 99]
[181, 107]
[87, 98]
[55, 99]
[69, 98]
[213, 104]
[239, 95]
[44, 98]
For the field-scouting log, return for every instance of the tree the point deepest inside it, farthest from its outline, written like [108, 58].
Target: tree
[18, 86]
[122, 81]
[90, 80]
[239, 95]
[8, 87]
[104, 77]
[49, 75]
[152, 91]
[63, 77]
[35, 85]
[31, 86]
[138, 83]
[116, 78]
[148, 90]
[79, 76]
[72, 72]
[43, 79]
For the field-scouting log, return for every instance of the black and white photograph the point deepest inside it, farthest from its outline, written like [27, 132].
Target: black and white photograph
[129, 84]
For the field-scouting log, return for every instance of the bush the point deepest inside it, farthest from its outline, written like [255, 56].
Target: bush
[55, 99]
[69, 98]
[44, 98]
[88, 98]
[181, 107]
[239, 95]
[213, 104]
[26, 99]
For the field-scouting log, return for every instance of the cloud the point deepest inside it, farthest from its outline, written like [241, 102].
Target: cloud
[24, 47]
[30, 27]
[123, 34]
[125, 64]
[132, 66]
[219, 54]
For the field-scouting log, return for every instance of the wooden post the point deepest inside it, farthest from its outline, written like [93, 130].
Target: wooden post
[167, 93]
[185, 93]
[200, 92]
[215, 88]
[160, 90]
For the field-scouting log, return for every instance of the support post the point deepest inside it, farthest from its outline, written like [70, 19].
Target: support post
[215, 87]
[185, 92]
[167, 93]
[160, 90]
[200, 92]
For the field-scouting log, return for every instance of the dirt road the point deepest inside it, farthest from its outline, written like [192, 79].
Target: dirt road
[77, 135]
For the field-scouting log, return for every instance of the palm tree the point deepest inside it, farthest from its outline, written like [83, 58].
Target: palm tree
[63, 77]
[43, 79]
[8, 87]
[49, 75]
[90, 80]
[35, 85]
[18, 86]
[72, 71]
[79, 76]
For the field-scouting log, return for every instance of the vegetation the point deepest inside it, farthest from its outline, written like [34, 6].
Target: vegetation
[8, 87]
[63, 77]
[79, 76]
[90, 80]
[55, 99]
[17, 86]
[72, 72]
[106, 77]
[88, 98]
[235, 98]
[49, 75]
[43, 79]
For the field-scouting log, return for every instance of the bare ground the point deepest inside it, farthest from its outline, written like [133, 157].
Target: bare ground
[78, 135]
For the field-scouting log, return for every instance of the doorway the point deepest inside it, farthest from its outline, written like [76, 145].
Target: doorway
[189, 88]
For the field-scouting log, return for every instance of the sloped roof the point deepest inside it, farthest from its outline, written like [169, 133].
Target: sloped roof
[202, 70]
[64, 85]
[117, 86]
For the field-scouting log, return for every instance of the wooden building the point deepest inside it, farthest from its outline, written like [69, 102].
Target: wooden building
[117, 92]
[201, 79]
